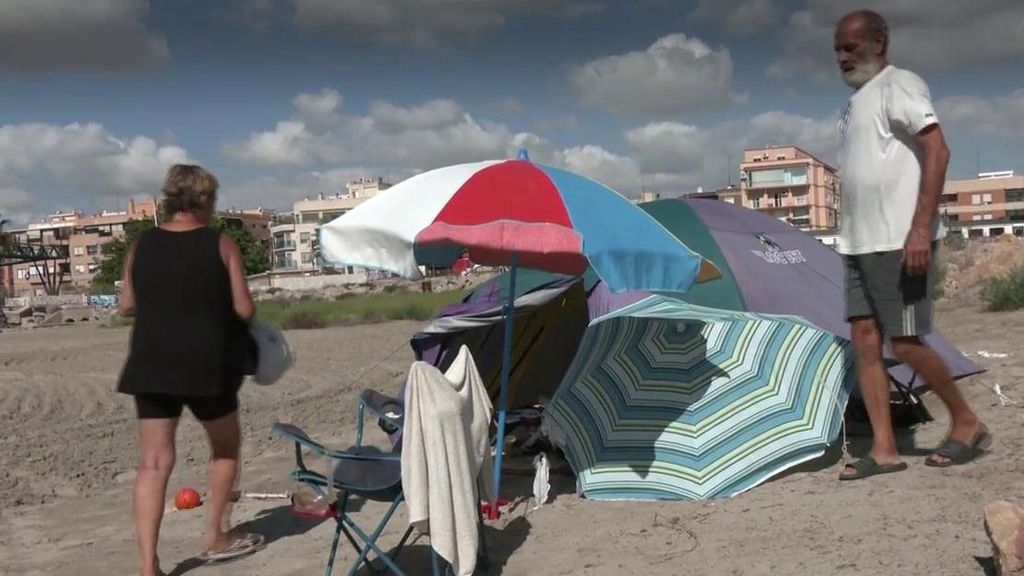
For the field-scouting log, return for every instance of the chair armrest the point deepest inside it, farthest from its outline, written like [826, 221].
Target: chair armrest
[299, 436]
[382, 406]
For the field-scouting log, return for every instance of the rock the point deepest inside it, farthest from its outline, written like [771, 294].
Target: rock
[1004, 524]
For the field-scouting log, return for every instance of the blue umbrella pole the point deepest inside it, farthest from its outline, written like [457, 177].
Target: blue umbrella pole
[506, 369]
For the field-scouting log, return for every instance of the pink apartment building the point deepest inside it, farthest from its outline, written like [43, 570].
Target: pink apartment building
[790, 184]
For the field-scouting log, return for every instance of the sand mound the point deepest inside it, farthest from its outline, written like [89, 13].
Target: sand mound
[969, 268]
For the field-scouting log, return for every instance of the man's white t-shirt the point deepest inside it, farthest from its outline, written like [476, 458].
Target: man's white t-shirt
[879, 161]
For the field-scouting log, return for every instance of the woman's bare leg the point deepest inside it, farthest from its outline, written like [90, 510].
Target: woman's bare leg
[224, 435]
[156, 462]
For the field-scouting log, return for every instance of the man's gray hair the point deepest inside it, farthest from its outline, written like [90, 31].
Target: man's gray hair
[874, 25]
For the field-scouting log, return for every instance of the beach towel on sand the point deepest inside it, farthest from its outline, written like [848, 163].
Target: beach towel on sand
[446, 456]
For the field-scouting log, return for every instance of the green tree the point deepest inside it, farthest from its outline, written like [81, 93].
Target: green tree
[114, 254]
[255, 254]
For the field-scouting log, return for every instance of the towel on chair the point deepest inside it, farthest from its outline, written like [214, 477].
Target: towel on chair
[446, 456]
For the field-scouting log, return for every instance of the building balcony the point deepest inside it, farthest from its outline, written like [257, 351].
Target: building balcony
[284, 245]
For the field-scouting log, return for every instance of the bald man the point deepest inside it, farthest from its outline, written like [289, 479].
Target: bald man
[893, 164]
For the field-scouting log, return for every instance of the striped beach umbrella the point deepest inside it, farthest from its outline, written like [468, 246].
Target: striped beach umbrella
[667, 400]
[514, 213]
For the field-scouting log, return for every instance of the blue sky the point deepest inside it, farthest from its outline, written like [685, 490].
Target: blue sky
[287, 98]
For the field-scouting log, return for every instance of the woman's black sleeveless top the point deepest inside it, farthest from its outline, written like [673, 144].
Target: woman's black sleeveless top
[187, 339]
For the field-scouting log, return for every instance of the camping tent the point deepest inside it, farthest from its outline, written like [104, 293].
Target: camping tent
[767, 267]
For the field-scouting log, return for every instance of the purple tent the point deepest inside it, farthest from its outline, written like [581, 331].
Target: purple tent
[768, 267]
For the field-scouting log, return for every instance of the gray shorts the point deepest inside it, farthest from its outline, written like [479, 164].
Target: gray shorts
[877, 286]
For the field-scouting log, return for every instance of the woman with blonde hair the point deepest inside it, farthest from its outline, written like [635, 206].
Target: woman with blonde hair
[185, 285]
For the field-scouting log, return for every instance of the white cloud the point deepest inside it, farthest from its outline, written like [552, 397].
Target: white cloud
[619, 173]
[280, 192]
[423, 136]
[999, 116]
[76, 35]
[16, 206]
[397, 141]
[740, 17]
[676, 158]
[423, 23]
[83, 158]
[675, 75]
[924, 35]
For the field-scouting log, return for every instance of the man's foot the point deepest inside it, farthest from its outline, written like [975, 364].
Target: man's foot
[869, 466]
[964, 444]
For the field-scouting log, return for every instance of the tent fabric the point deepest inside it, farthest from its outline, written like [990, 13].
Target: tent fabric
[550, 318]
[767, 266]
[668, 400]
[775, 268]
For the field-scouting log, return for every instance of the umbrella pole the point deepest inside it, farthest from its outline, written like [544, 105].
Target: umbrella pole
[506, 369]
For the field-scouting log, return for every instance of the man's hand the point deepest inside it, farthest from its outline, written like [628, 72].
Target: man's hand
[917, 251]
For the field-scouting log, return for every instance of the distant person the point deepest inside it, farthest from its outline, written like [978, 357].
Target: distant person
[185, 285]
[893, 164]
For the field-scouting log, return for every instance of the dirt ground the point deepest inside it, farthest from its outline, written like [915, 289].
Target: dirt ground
[66, 466]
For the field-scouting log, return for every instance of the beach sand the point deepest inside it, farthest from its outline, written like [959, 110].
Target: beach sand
[68, 448]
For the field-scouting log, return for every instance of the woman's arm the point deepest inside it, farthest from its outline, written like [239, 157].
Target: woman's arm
[126, 304]
[240, 297]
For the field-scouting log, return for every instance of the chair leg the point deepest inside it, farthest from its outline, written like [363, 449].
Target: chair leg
[371, 542]
[334, 547]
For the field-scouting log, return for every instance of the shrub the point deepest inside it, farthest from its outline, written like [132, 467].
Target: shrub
[1004, 293]
[303, 320]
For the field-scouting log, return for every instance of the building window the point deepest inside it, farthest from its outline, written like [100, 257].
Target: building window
[976, 199]
[92, 249]
[78, 251]
[304, 238]
[80, 269]
[987, 217]
[349, 270]
[986, 199]
[794, 176]
[307, 257]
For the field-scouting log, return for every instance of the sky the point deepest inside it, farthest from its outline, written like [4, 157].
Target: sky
[284, 99]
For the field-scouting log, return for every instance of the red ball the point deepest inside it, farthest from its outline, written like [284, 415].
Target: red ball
[187, 498]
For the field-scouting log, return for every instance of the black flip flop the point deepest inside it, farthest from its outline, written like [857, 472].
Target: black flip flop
[957, 453]
[867, 466]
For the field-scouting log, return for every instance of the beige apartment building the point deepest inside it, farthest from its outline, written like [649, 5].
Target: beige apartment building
[790, 184]
[295, 233]
[990, 205]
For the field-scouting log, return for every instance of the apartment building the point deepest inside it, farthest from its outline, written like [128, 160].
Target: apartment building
[294, 234]
[87, 235]
[84, 235]
[990, 205]
[255, 221]
[791, 185]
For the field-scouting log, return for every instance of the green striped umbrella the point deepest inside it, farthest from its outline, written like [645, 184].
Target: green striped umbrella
[669, 400]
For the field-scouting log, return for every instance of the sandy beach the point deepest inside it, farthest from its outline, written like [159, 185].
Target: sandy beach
[67, 458]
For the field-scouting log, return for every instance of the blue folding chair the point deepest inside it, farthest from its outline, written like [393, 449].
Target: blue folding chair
[364, 472]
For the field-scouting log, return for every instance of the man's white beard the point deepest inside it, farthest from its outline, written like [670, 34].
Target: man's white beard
[861, 73]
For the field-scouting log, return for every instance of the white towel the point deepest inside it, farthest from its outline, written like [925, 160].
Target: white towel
[446, 456]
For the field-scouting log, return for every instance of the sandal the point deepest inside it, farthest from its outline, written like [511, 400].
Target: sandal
[240, 545]
[867, 466]
[957, 453]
